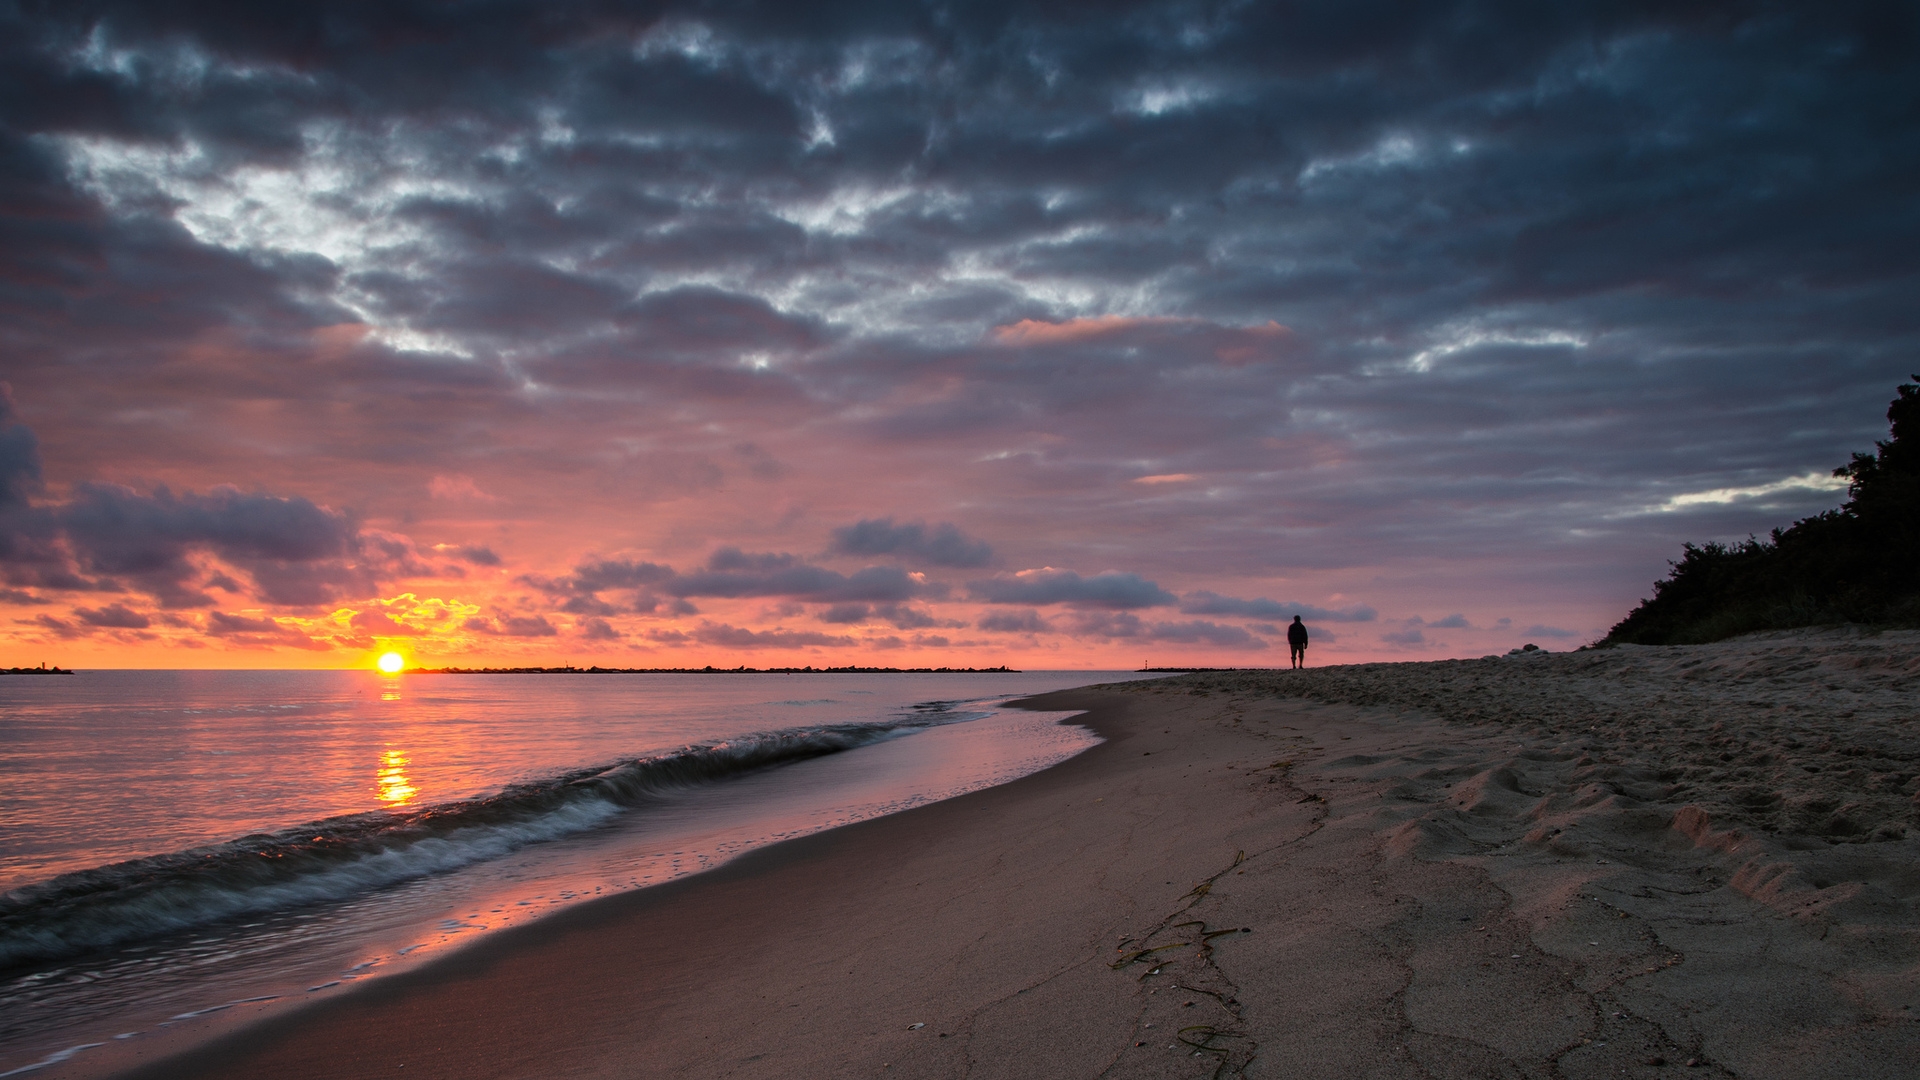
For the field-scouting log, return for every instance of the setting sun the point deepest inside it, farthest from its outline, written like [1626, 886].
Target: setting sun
[392, 662]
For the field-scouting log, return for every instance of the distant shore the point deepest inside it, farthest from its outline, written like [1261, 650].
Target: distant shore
[570, 670]
[41, 670]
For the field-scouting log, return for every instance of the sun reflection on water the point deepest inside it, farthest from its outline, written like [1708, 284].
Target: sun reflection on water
[392, 778]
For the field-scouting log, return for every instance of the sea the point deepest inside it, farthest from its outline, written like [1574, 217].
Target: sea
[184, 847]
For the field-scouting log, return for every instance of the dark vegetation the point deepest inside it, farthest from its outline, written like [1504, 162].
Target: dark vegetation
[1856, 564]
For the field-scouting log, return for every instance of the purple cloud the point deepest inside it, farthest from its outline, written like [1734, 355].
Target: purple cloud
[1209, 603]
[1112, 590]
[942, 545]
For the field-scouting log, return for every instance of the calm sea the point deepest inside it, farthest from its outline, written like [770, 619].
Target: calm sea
[174, 844]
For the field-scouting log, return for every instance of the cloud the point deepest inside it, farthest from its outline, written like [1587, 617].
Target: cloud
[942, 545]
[19, 456]
[457, 488]
[477, 554]
[872, 593]
[1811, 482]
[733, 573]
[116, 616]
[220, 623]
[579, 592]
[594, 629]
[1037, 332]
[59, 627]
[1549, 632]
[1411, 636]
[602, 574]
[1111, 589]
[295, 551]
[1126, 626]
[900, 616]
[738, 637]
[696, 319]
[513, 626]
[1203, 602]
[241, 631]
[1015, 622]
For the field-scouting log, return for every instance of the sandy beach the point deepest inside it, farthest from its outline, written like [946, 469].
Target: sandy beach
[1697, 861]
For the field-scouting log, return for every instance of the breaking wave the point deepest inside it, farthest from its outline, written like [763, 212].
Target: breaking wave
[117, 904]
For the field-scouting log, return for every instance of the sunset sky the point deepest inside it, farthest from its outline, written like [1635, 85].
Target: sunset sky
[925, 334]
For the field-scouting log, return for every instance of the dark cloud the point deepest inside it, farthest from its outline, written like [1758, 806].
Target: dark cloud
[580, 591]
[732, 573]
[296, 552]
[942, 545]
[513, 626]
[264, 633]
[738, 637]
[1015, 622]
[26, 532]
[19, 457]
[1126, 626]
[115, 616]
[1209, 603]
[1111, 589]
[599, 630]
[57, 626]
[700, 322]
[874, 592]
[847, 613]
[292, 551]
[477, 554]
[220, 624]
[901, 616]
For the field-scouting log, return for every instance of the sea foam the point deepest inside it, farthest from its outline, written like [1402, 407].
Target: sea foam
[125, 902]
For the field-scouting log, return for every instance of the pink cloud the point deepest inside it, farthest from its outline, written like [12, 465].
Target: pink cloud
[1036, 332]
[458, 487]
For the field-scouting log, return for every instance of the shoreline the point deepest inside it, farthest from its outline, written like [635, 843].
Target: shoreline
[1234, 883]
[713, 921]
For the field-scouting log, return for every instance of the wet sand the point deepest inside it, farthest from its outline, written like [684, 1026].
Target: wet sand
[1460, 869]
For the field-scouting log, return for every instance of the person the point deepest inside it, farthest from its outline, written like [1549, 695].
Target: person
[1297, 642]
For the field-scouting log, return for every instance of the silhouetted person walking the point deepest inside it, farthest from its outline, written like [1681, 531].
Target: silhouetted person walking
[1297, 642]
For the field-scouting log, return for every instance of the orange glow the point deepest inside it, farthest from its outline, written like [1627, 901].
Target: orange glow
[392, 778]
[392, 662]
[1036, 332]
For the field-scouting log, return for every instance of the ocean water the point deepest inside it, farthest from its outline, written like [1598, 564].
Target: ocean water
[174, 844]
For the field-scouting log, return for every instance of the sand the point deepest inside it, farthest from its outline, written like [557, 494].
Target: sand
[1612, 863]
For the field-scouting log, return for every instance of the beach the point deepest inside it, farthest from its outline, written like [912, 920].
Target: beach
[1694, 860]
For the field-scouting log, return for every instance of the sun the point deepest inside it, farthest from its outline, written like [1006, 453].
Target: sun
[392, 662]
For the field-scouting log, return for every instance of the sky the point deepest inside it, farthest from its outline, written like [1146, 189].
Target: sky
[925, 334]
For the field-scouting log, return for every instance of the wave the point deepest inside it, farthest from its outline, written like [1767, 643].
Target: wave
[108, 906]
